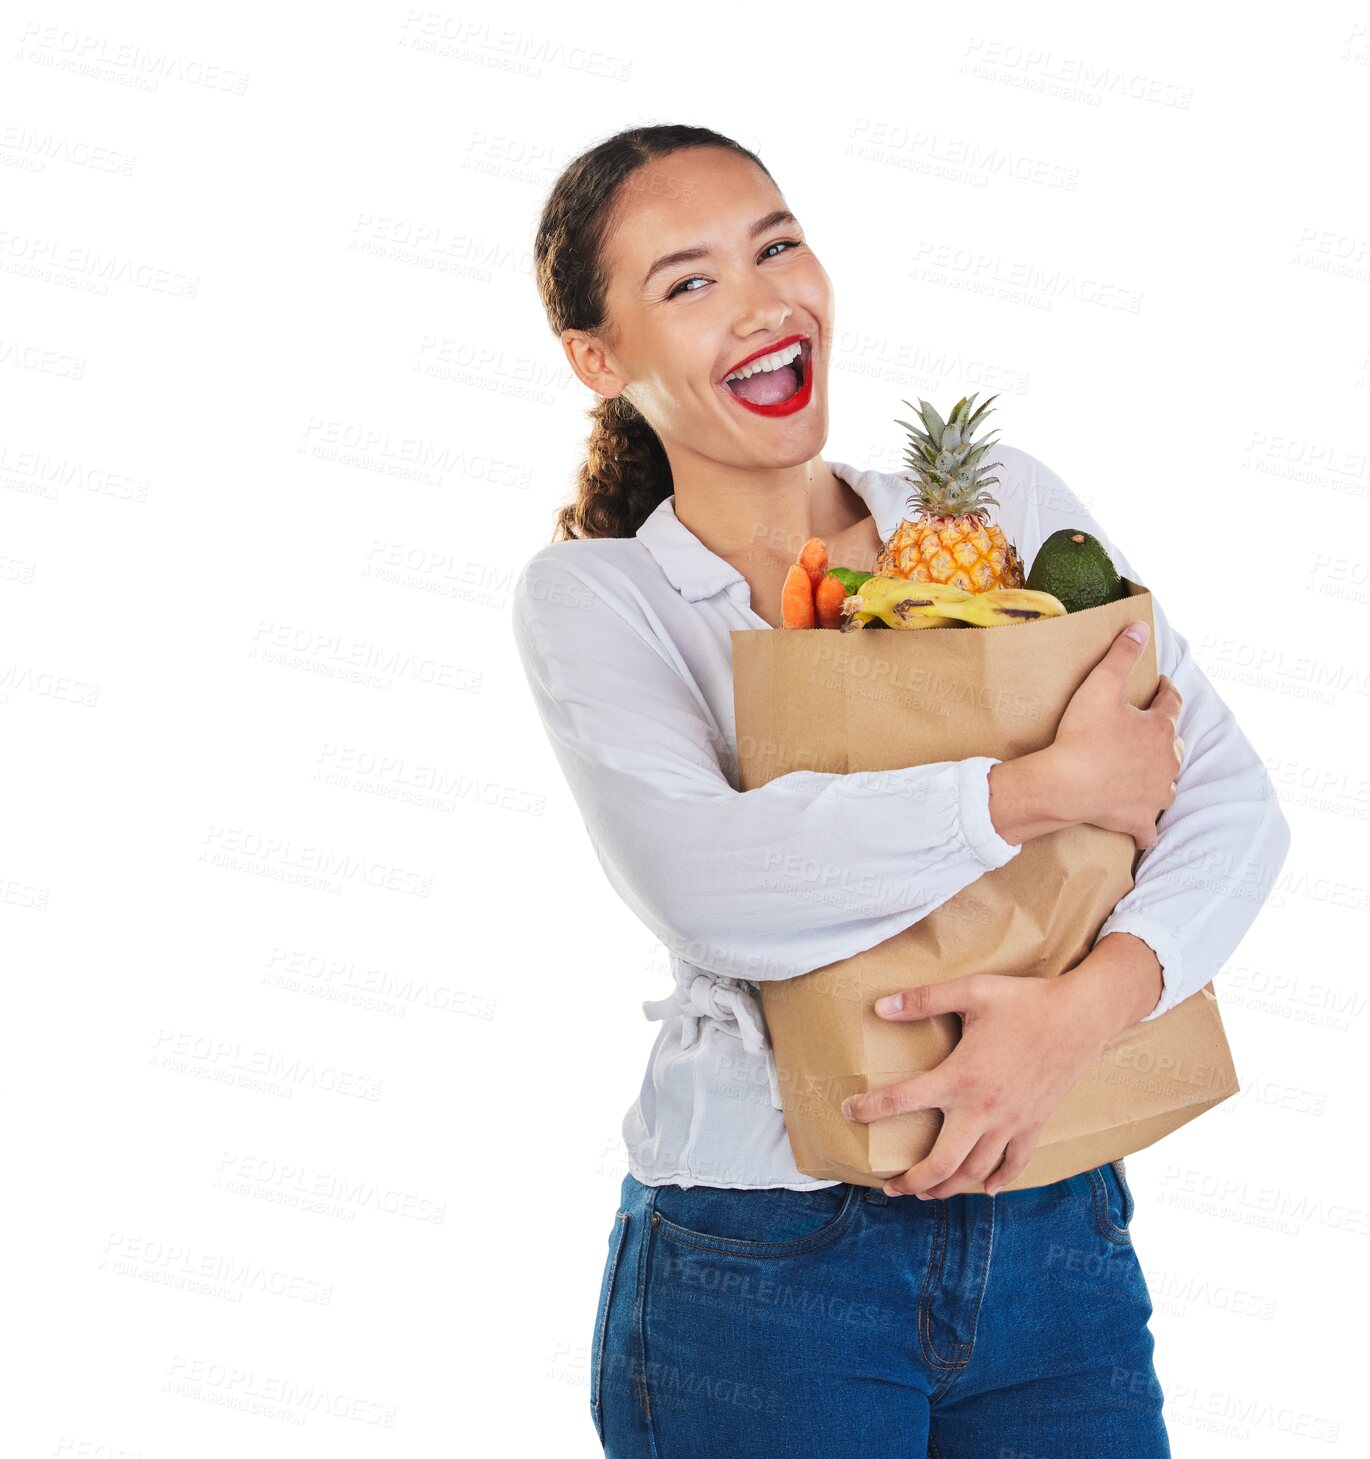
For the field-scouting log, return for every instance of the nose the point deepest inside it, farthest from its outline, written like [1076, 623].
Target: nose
[762, 311]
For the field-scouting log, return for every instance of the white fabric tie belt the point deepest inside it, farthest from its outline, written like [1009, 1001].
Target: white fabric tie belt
[725, 1000]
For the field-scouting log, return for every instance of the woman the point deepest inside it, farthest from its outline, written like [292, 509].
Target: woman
[747, 1309]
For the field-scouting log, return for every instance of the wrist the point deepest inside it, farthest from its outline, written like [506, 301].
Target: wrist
[1029, 795]
[1115, 986]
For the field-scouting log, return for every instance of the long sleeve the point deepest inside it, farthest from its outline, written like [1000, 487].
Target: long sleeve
[1222, 841]
[761, 884]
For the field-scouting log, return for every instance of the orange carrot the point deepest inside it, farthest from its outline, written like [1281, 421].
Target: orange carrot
[813, 558]
[796, 599]
[828, 600]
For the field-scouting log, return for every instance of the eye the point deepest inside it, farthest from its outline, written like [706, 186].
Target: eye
[765, 252]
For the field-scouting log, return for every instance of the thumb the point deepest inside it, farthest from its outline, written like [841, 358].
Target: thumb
[927, 1000]
[1125, 650]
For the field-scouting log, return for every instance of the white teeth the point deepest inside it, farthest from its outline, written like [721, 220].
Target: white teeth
[777, 361]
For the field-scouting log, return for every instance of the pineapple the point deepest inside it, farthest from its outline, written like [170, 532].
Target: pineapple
[951, 540]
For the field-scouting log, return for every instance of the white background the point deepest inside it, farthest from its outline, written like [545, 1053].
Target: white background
[322, 1018]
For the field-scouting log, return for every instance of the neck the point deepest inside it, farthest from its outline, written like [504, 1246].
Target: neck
[765, 515]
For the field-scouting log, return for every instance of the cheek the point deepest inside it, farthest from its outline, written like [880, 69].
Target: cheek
[819, 295]
[686, 384]
[673, 395]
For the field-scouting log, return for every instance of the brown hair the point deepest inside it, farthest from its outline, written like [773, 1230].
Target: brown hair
[626, 474]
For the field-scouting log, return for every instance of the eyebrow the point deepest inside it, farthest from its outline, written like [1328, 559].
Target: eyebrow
[688, 255]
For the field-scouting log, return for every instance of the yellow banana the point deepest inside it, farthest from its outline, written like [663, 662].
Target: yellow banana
[1009, 605]
[917, 620]
[903, 603]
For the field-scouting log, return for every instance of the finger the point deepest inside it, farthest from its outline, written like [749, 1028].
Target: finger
[977, 1167]
[1016, 1157]
[1123, 653]
[1166, 700]
[960, 1130]
[956, 995]
[930, 1090]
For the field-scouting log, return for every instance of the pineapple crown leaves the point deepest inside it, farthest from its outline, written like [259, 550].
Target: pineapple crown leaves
[944, 457]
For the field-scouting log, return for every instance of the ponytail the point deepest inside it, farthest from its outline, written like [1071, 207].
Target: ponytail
[626, 474]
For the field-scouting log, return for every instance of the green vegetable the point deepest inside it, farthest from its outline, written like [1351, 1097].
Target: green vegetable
[850, 579]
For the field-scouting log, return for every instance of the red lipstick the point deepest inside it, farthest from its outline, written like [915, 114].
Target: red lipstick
[800, 398]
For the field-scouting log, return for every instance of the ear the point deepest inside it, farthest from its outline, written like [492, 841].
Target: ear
[591, 363]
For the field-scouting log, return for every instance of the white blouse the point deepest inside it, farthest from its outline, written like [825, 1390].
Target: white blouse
[625, 645]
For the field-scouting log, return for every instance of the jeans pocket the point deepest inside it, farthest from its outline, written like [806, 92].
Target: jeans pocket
[606, 1297]
[1129, 1205]
[767, 1222]
[1112, 1202]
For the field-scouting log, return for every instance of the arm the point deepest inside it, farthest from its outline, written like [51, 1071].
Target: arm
[1119, 983]
[1220, 844]
[1025, 1042]
[762, 884]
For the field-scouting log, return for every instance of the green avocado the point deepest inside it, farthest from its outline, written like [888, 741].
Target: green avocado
[1073, 566]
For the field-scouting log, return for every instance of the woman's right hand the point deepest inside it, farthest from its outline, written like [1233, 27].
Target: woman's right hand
[1117, 763]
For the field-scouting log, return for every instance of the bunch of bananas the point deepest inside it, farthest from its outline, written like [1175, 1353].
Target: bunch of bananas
[902, 603]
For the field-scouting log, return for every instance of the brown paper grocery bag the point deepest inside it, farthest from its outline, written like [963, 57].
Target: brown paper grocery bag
[821, 699]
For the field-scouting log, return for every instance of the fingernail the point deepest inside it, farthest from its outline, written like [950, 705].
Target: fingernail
[1137, 632]
[846, 1108]
[893, 1004]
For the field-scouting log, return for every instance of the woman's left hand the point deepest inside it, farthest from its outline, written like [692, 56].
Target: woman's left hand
[1024, 1043]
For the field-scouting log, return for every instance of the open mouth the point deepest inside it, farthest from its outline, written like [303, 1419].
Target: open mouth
[784, 386]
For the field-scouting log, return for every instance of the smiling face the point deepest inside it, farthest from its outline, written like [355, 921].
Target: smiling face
[677, 326]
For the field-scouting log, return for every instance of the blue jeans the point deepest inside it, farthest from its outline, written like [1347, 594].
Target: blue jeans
[845, 1324]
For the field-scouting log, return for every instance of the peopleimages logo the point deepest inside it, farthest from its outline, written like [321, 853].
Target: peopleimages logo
[1067, 78]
